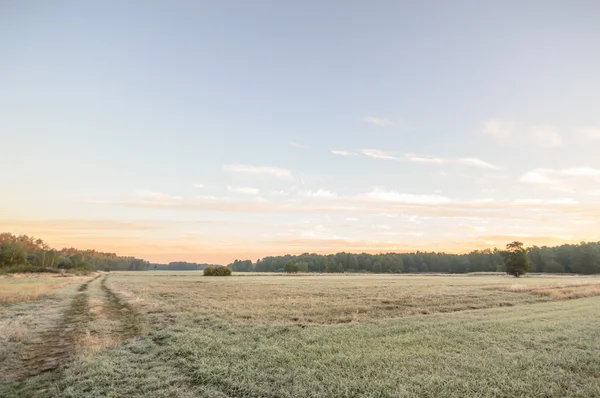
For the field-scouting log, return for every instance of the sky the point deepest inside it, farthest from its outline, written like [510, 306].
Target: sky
[213, 130]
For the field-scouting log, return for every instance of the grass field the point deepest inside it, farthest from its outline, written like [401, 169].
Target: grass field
[185, 335]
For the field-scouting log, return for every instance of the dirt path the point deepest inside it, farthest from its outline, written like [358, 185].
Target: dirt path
[78, 327]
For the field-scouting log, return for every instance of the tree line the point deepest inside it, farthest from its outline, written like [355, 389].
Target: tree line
[582, 258]
[25, 253]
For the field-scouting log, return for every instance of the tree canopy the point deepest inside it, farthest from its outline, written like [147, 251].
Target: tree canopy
[582, 258]
[516, 260]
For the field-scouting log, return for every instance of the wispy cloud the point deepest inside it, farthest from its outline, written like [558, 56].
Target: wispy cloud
[298, 145]
[558, 201]
[591, 132]
[377, 121]
[475, 162]
[538, 176]
[580, 172]
[501, 130]
[378, 154]
[418, 158]
[321, 193]
[545, 135]
[243, 190]
[472, 162]
[382, 194]
[157, 196]
[199, 186]
[270, 171]
[505, 131]
[343, 153]
[561, 179]
[411, 157]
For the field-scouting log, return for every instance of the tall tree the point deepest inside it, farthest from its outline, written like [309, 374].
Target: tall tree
[516, 262]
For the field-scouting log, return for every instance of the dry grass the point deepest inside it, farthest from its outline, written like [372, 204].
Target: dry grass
[326, 299]
[21, 288]
[90, 343]
[562, 291]
[265, 336]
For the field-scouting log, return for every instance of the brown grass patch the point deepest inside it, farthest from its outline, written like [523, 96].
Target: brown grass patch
[311, 299]
[21, 288]
[562, 291]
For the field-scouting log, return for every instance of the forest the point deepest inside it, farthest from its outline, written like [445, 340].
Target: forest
[26, 253]
[582, 258]
[23, 252]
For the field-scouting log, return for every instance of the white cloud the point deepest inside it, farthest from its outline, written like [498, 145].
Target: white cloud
[538, 176]
[483, 200]
[422, 158]
[199, 186]
[545, 135]
[158, 196]
[377, 121]
[476, 163]
[559, 201]
[259, 170]
[580, 172]
[501, 130]
[243, 190]
[378, 154]
[591, 132]
[380, 194]
[552, 178]
[321, 193]
[528, 202]
[298, 145]
[342, 153]
[505, 130]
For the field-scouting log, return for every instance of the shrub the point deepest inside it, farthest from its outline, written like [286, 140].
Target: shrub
[217, 271]
[107, 269]
[223, 271]
[209, 271]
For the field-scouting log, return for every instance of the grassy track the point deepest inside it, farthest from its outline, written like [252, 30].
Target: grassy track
[536, 346]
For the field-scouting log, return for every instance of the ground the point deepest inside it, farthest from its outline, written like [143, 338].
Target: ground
[165, 334]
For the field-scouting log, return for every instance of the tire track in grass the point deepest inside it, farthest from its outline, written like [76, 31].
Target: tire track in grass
[56, 345]
[130, 322]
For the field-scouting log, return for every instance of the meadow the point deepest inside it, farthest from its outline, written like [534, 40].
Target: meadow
[168, 334]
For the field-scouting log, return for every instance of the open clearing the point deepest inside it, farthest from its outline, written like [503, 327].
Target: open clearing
[185, 335]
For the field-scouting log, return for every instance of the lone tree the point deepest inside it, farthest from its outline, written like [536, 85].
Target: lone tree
[516, 262]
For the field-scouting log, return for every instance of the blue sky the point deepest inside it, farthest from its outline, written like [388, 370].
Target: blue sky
[208, 131]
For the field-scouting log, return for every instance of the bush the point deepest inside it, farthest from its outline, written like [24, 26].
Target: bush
[107, 269]
[223, 271]
[217, 271]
